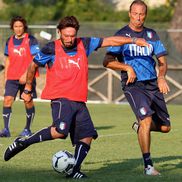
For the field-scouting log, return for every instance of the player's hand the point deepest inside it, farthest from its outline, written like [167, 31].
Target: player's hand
[131, 75]
[142, 42]
[26, 97]
[163, 86]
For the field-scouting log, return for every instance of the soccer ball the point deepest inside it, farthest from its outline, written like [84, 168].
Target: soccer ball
[63, 162]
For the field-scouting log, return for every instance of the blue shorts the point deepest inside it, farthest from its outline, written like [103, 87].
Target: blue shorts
[13, 86]
[74, 118]
[146, 100]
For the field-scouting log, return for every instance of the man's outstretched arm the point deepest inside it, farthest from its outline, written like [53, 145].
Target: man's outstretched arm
[120, 40]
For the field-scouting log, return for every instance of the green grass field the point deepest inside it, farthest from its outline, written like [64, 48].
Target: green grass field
[115, 156]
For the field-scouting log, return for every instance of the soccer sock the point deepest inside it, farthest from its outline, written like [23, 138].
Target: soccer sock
[30, 113]
[147, 159]
[40, 136]
[6, 116]
[81, 151]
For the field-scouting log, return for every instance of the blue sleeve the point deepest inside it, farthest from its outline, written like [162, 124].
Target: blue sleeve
[34, 47]
[46, 55]
[159, 49]
[6, 50]
[92, 44]
[114, 49]
[42, 59]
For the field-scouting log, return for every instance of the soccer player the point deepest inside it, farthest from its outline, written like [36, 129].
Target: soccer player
[66, 60]
[142, 86]
[19, 51]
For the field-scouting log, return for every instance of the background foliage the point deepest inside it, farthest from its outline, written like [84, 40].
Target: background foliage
[46, 11]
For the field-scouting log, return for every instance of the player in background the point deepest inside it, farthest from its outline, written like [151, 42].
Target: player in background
[66, 60]
[19, 51]
[142, 86]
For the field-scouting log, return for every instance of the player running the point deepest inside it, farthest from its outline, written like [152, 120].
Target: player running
[142, 86]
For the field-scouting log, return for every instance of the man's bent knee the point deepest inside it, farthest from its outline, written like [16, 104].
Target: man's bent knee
[56, 134]
[8, 101]
[87, 140]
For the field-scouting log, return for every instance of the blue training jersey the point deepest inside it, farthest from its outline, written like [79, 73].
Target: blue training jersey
[140, 58]
[47, 53]
[34, 47]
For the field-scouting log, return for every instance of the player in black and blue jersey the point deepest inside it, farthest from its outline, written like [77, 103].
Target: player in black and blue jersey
[142, 86]
[19, 51]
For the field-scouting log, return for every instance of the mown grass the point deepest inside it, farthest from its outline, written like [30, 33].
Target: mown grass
[114, 156]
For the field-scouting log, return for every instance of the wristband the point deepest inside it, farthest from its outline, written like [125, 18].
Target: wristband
[160, 77]
[134, 39]
[27, 91]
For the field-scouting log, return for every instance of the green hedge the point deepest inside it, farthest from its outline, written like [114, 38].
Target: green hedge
[36, 11]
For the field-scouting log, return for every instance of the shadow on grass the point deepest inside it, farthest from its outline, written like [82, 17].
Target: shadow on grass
[104, 127]
[130, 170]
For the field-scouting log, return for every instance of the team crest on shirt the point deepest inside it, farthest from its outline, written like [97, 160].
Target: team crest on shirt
[62, 125]
[149, 34]
[143, 111]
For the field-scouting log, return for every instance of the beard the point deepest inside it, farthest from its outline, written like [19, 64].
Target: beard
[68, 45]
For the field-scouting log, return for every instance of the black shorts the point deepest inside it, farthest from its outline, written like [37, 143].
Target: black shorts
[146, 100]
[74, 118]
[13, 86]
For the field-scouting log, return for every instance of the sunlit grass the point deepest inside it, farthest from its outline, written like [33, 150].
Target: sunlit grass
[114, 156]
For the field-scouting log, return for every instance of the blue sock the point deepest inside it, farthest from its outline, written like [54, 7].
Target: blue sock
[30, 113]
[147, 159]
[40, 136]
[81, 151]
[7, 116]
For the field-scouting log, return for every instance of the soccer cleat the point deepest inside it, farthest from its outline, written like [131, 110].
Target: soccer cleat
[135, 126]
[150, 170]
[25, 133]
[5, 133]
[17, 146]
[76, 175]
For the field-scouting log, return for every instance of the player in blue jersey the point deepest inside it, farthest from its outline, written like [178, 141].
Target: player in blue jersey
[19, 51]
[142, 86]
[66, 60]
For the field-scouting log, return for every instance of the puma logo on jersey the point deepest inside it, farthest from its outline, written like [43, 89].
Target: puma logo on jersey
[128, 35]
[70, 61]
[19, 52]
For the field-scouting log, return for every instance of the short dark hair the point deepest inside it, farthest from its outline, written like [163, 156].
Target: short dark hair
[21, 19]
[68, 21]
[139, 2]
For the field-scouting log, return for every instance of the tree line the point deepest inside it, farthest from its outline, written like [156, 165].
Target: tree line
[46, 11]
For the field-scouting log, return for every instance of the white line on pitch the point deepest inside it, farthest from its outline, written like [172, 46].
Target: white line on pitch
[121, 134]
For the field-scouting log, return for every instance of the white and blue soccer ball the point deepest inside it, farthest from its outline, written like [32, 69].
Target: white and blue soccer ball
[63, 162]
